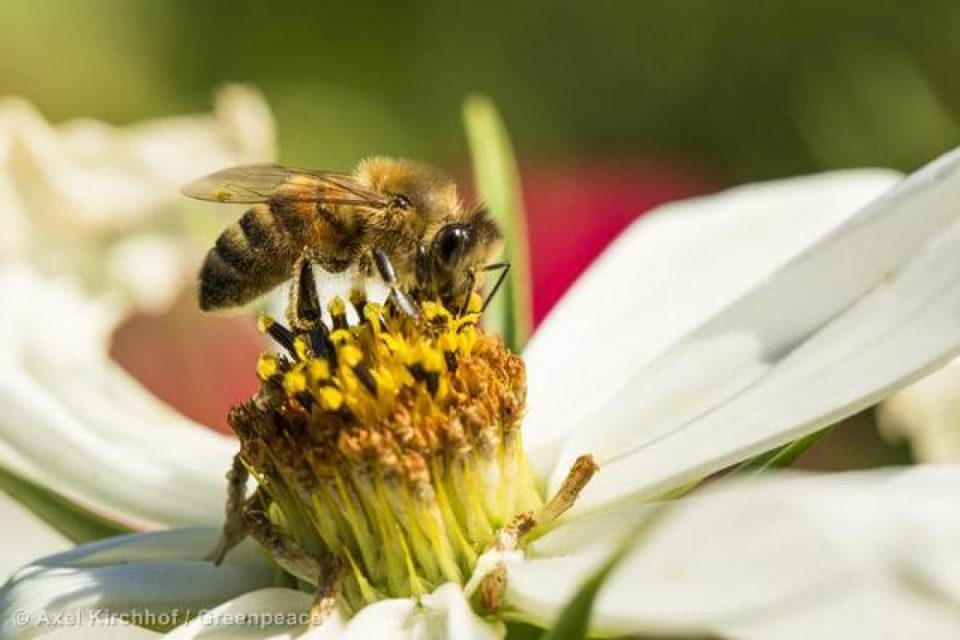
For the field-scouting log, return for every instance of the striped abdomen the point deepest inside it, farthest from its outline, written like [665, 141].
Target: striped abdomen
[254, 254]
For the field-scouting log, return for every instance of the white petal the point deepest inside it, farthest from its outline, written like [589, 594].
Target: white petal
[117, 630]
[667, 275]
[195, 543]
[385, 620]
[69, 457]
[23, 537]
[268, 613]
[798, 352]
[748, 553]
[137, 574]
[118, 450]
[891, 336]
[927, 415]
[445, 613]
[331, 629]
[878, 611]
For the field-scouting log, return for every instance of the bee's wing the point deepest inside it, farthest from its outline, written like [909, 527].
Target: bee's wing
[264, 182]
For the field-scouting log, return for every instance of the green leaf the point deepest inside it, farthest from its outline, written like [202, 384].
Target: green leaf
[522, 631]
[574, 620]
[781, 456]
[74, 522]
[498, 185]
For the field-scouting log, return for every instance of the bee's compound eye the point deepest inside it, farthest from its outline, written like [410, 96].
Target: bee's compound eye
[400, 203]
[450, 244]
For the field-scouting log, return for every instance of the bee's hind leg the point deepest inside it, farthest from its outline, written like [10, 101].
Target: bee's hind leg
[234, 530]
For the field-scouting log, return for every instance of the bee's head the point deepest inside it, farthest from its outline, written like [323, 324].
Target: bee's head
[461, 248]
[429, 217]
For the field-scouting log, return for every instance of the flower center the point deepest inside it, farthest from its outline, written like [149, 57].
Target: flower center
[391, 444]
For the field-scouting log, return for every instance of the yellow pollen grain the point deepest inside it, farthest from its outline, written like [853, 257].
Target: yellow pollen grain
[447, 342]
[432, 359]
[301, 346]
[267, 366]
[394, 344]
[340, 336]
[337, 307]
[318, 370]
[264, 322]
[468, 320]
[294, 382]
[330, 398]
[433, 311]
[351, 355]
[372, 313]
[475, 304]
[466, 341]
[386, 384]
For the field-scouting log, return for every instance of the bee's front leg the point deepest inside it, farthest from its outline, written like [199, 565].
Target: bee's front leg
[234, 530]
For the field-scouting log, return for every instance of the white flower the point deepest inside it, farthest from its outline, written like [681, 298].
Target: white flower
[103, 202]
[711, 331]
[76, 422]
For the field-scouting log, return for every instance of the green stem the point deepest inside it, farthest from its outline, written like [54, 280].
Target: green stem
[498, 185]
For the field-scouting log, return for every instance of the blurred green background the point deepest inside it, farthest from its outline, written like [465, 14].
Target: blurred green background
[740, 90]
[690, 94]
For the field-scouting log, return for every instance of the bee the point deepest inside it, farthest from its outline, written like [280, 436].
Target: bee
[402, 218]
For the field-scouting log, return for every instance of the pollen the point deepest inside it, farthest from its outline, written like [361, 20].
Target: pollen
[390, 443]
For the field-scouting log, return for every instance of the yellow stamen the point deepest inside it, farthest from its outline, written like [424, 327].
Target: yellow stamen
[396, 448]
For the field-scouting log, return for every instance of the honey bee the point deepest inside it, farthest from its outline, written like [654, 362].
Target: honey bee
[402, 218]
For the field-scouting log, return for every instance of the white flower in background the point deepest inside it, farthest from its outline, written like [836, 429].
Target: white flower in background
[926, 415]
[103, 202]
[711, 331]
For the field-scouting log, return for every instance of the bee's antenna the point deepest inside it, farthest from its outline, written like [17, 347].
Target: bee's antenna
[504, 269]
[389, 276]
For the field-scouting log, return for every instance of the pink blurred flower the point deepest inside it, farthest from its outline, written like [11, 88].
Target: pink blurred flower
[574, 210]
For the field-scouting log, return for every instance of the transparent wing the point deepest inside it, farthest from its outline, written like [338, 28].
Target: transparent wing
[264, 182]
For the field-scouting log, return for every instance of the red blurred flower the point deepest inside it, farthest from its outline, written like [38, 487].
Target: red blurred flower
[575, 210]
[200, 364]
